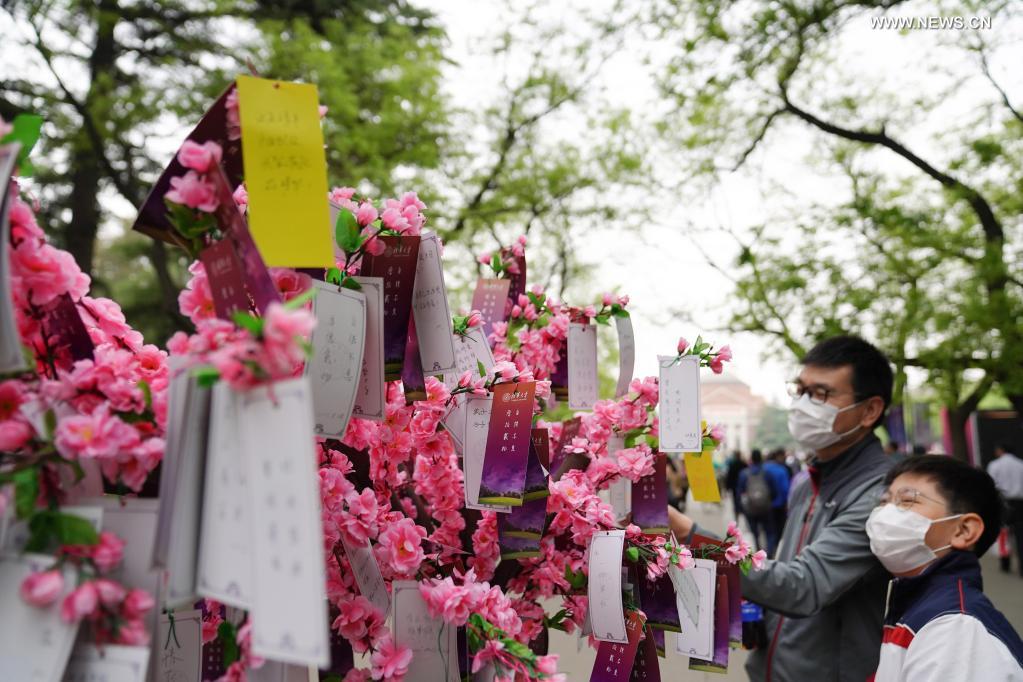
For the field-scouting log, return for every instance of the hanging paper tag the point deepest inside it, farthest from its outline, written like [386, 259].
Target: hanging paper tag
[679, 405]
[367, 575]
[477, 428]
[614, 661]
[536, 478]
[371, 396]
[335, 368]
[177, 646]
[397, 266]
[650, 499]
[504, 467]
[285, 172]
[657, 599]
[433, 642]
[431, 311]
[11, 357]
[694, 590]
[646, 668]
[471, 351]
[413, 381]
[490, 298]
[64, 332]
[226, 277]
[702, 479]
[604, 587]
[719, 662]
[626, 354]
[582, 366]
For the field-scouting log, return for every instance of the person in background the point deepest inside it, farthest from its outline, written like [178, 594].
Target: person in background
[778, 474]
[823, 596]
[678, 483]
[735, 467]
[894, 450]
[1007, 471]
[937, 516]
[919, 449]
[757, 494]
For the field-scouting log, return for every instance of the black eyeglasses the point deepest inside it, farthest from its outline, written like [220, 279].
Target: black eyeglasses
[818, 393]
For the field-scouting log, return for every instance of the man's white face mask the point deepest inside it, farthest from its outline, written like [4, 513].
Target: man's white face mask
[813, 425]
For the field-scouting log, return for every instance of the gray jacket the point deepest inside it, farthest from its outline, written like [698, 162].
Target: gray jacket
[823, 596]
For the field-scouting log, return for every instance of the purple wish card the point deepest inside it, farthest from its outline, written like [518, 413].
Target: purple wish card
[413, 380]
[397, 266]
[508, 441]
[513, 547]
[66, 338]
[657, 599]
[646, 668]
[650, 499]
[489, 298]
[536, 479]
[526, 521]
[614, 661]
[227, 278]
[232, 223]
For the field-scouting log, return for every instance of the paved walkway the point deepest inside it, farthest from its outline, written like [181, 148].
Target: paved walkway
[1005, 590]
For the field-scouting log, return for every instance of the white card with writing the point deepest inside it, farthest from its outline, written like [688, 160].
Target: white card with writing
[471, 350]
[177, 397]
[289, 599]
[276, 671]
[180, 506]
[114, 663]
[694, 597]
[177, 647]
[35, 643]
[371, 396]
[626, 354]
[620, 491]
[224, 572]
[11, 356]
[335, 369]
[604, 589]
[333, 210]
[367, 575]
[477, 427]
[582, 366]
[431, 310]
[678, 408]
[433, 642]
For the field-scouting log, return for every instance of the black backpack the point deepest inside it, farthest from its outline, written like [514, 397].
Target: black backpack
[756, 501]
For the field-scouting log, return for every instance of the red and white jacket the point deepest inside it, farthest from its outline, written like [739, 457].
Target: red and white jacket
[939, 626]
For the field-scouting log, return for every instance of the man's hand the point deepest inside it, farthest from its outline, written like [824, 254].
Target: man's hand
[681, 525]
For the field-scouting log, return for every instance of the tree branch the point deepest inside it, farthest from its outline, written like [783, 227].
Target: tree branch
[991, 79]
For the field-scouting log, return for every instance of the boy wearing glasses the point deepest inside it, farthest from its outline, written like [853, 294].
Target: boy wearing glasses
[823, 595]
[935, 518]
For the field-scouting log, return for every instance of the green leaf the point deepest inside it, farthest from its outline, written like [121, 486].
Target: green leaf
[147, 393]
[249, 322]
[334, 276]
[621, 312]
[26, 491]
[299, 301]
[42, 529]
[632, 554]
[74, 530]
[25, 129]
[227, 634]
[206, 377]
[482, 370]
[350, 283]
[346, 231]
[50, 419]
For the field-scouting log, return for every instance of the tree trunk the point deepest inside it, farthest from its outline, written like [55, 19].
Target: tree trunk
[957, 418]
[80, 234]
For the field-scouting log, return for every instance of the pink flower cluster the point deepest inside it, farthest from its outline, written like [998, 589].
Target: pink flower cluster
[194, 189]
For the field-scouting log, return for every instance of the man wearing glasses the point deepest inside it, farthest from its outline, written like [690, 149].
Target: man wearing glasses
[824, 593]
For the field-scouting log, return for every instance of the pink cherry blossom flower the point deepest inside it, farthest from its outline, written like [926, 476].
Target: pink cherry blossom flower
[682, 345]
[475, 319]
[401, 543]
[194, 191]
[489, 652]
[14, 435]
[99, 434]
[241, 198]
[391, 661]
[200, 157]
[759, 559]
[716, 365]
[43, 588]
[136, 603]
[110, 593]
[108, 552]
[735, 553]
[725, 353]
[717, 432]
[79, 603]
[133, 633]
[484, 259]
[366, 214]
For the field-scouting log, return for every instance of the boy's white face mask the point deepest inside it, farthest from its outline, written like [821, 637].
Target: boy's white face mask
[897, 538]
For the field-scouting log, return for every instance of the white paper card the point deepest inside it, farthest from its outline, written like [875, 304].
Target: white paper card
[177, 650]
[582, 366]
[431, 310]
[289, 600]
[433, 642]
[471, 350]
[367, 575]
[694, 596]
[370, 398]
[225, 555]
[620, 491]
[34, 642]
[11, 357]
[335, 368]
[177, 397]
[114, 663]
[275, 671]
[679, 406]
[626, 354]
[477, 427]
[604, 589]
[181, 503]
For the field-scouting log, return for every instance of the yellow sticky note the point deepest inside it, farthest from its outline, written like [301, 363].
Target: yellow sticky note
[702, 481]
[285, 172]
